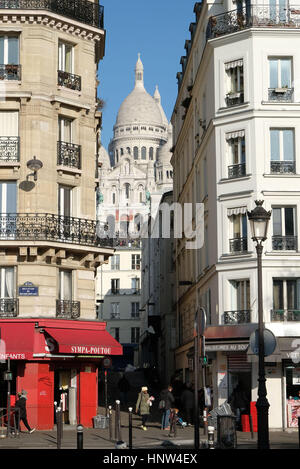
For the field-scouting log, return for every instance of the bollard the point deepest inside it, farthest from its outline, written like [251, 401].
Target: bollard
[205, 429]
[251, 426]
[299, 430]
[110, 422]
[130, 427]
[58, 427]
[79, 436]
[211, 436]
[118, 436]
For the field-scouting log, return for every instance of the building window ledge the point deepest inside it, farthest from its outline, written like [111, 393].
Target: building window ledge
[282, 175]
[233, 107]
[241, 178]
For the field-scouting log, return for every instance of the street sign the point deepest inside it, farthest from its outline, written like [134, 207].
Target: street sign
[28, 289]
[269, 342]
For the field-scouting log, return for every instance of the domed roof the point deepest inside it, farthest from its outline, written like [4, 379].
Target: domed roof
[164, 153]
[139, 106]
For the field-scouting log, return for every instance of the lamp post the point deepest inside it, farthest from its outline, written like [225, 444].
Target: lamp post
[259, 220]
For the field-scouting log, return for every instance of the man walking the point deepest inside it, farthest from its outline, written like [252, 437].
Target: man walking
[166, 400]
[21, 404]
[187, 400]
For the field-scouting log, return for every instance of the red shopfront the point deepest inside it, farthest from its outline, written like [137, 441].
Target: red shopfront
[54, 359]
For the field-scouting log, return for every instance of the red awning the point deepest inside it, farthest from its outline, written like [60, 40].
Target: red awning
[85, 342]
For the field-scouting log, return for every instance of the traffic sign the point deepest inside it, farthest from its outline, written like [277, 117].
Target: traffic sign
[269, 342]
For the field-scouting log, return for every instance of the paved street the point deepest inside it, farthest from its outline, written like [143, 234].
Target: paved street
[153, 438]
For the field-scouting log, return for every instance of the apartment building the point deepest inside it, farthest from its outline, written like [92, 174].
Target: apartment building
[236, 125]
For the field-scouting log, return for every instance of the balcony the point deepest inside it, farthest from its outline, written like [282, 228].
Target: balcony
[238, 245]
[83, 11]
[55, 228]
[9, 149]
[280, 95]
[283, 167]
[254, 16]
[236, 171]
[234, 98]
[10, 71]
[237, 317]
[285, 315]
[284, 243]
[67, 309]
[9, 307]
[69, 154]
[69, 80]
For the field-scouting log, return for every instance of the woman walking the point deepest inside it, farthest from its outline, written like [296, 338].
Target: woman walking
[166, 403]
[143, 406]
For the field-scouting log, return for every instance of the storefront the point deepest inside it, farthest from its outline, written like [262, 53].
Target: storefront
[55, 361]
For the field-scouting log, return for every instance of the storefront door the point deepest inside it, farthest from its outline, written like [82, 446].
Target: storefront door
[65, 382]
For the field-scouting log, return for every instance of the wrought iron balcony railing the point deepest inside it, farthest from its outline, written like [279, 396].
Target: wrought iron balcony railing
[68, 80]
[80, 10]
[284, 315]
[233, 99]
[236, 170]
[67, 309]
[9, 149]
[49, 227]
[283, 167]
[9, 307]
[284, 243]
[10, 71]
[69, 154]
[264, 16]
[237, 245]
[281, 95]
[237, 317]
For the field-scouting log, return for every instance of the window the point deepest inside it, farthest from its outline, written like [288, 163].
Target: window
[9, 58]
[8, 197]
[65, 57]
[151, 153]
[144, 151]
[284, 236]
[116, 333]
[115, 286]
[240, 303]
[135, 313]
[280, 70]
[9, 136]
[286, 300]
[115, 311]
[282, 151]
[65, 201]
[235, 82]
[238, 235]
[115, 262]
[135, 153]
[236, 154]
[279, 12]
[135, 261]
[65, 285]
[127, 190]
[135, 335]
[135, 285]
[7, 282]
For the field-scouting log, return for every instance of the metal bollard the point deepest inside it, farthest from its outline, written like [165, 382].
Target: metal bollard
[130, 427]
[59, 427]
[211, 436]
[79, 436]
[299, 430]
[110, 422]
[205, 429]
[118, 436]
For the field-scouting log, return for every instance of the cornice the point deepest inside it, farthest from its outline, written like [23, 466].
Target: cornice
[53, 21]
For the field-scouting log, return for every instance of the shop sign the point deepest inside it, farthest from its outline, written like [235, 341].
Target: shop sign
[90, 350]
[28, 289]
[296, 376]
[226, 347]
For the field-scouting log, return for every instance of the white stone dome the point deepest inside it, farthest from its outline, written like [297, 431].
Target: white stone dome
[164, 152]
[140, 106]
[104, 158]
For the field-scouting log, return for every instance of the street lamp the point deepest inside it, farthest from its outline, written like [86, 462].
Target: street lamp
[34, 165]
[259, 221]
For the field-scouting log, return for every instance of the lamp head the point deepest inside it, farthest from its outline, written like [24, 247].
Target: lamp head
[259, 221]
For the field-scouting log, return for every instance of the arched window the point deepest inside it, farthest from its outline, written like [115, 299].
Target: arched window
[114, 194]
[121, 151]
[128, 150]
[167, 174]
[117, 156]
[151, 153]
[141, 193]
[135, 153]
[144, 153]
[127, 190]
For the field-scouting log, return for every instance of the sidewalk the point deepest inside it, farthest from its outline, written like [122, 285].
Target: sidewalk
[153, 438]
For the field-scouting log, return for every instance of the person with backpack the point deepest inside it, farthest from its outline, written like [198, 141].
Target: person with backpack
[143, 405]
[165, 404]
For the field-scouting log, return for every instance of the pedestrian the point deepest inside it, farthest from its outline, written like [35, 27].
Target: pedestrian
[124, 388]
[21, 404]
[143, 405]
[165, 404]
[187, 400]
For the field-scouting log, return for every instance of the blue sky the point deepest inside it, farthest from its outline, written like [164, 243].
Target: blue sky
[158, 30]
